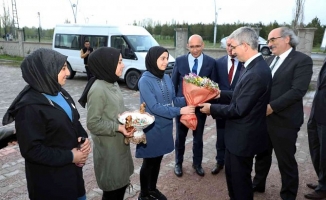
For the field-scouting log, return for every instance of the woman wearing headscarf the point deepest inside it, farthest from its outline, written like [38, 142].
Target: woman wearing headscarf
[113, 163]
[48, 129]
[157, 91]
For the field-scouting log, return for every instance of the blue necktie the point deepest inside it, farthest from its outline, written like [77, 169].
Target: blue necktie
[194, 68]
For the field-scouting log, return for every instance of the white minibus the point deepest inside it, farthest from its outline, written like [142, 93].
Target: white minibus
[133, 41]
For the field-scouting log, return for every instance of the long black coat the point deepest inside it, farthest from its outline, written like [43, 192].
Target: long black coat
[46, 136]
[246, 127]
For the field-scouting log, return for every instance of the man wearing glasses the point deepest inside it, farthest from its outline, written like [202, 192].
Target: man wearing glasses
[291, 71]
[245, 112]
[196, 62]
[228, 70]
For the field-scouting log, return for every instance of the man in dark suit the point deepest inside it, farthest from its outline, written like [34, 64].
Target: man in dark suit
[196, 62]
[291, 71]
[317, 137]
[227, 70]
[245, 127]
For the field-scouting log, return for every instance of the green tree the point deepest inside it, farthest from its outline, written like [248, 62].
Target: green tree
[318, 37]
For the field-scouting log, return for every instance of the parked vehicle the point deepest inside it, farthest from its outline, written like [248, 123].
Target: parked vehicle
[133, 41]
[262, 46]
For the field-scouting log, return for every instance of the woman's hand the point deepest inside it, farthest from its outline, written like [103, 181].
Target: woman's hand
[86, 146]
[79, 156]
[187, 110]
[123, 130]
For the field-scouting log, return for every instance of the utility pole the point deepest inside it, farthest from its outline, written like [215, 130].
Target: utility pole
[14, 14]
[215, 22]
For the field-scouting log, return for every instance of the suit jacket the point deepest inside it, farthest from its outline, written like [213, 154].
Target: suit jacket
[181, 68]
[319, 101]
[246, 128]
[290, 84]
[222, 78]
[223, 74]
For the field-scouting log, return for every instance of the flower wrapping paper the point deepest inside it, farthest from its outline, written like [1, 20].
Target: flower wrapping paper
[196, 90]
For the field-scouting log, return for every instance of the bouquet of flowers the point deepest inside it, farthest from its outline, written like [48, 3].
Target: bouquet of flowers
[197, 90]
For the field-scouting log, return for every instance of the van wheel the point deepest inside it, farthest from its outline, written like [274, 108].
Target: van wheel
[72, 72]
[265, 51]
[132, 78]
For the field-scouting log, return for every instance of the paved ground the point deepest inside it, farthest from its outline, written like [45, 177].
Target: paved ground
[190, 186]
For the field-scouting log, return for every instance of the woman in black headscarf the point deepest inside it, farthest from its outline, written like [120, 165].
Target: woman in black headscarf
[113, 163]
[48, 129]
[157, 91]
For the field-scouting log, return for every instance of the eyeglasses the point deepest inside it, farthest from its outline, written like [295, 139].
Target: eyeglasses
[234, 47]
[272, 39]
[195, 47]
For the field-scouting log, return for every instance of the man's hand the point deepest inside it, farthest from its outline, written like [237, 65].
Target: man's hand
[269, 110]
[206, 108]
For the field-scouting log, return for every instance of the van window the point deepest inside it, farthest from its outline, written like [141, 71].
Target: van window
[65, 41]
[141, 43]
[96, 41]
[76, 42]
[119, 42]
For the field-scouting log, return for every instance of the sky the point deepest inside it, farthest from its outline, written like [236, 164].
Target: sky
[119, 12]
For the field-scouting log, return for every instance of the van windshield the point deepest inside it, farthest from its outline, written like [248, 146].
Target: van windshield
[141, 43]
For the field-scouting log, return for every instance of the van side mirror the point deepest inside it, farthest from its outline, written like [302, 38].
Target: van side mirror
[129, 54]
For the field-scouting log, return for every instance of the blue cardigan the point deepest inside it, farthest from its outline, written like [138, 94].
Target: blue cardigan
[158, 94]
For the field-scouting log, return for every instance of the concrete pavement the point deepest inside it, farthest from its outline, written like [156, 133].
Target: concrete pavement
[190, 186]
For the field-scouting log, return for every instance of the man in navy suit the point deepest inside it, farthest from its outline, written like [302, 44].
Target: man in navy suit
[245, 127]
[291, 71]
[317, 137]
[196, 62]
[227, 70]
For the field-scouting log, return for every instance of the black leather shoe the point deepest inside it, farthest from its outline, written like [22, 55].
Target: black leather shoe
[258, 189]
[217, 169]
[199, 170]
[311, 186]
[146, 198]
[157, 194]
[316, 195]
[178, 170]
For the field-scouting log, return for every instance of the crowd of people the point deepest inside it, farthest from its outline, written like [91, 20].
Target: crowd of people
[258, 108]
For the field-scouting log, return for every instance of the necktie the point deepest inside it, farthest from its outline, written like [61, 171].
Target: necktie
[231, 71]
[194, 68]
[272, 67]
[243, 69]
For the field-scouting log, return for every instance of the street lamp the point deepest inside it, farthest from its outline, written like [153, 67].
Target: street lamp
[215, 22]
[74, 10]
[39, 19]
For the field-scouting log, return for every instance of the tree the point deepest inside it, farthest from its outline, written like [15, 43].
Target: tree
[298, 14]
[318, 37]
[6, 19]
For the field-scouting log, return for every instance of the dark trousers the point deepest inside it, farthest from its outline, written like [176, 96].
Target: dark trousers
[238, 176]
[197, 147]
[89, 74]
[149, 172]
[220, 146]
[282, 140]
[114, 194]
[317, 147]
